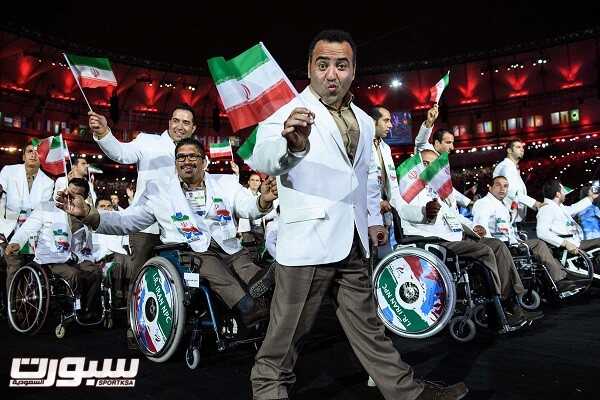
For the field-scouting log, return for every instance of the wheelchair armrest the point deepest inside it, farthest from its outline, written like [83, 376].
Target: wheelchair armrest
[171, 246]
[420, 240]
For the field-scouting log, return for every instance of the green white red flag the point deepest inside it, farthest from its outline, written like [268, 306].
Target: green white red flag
[437, 176]
[408, 177]
[91, 72]
[251, 86]
[52, 152]
[437, 90]
[220, 150]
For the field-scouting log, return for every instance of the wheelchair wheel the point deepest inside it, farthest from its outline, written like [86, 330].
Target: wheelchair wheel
[480, 316]
[529, 300]
[156, 309]
[28, 299]
[414, 291]
[462, 329]
[192, 357]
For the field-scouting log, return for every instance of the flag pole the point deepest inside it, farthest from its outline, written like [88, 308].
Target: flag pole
[77, 80]
[62, 145]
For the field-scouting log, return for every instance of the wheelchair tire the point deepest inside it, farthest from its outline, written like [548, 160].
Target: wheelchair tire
[462, 329]
[28, 299]
[414, 291]
[529, 300]
[192, 357]
[480, 316]
[156, 310]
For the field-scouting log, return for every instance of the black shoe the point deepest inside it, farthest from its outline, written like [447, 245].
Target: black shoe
[432, 391]
[259, 312]
[566, 285]
[262, 282]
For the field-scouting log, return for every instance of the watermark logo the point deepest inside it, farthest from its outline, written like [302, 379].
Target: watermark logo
[72, 372]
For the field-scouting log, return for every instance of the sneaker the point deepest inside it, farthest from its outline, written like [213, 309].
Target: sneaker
[432, 391]
[262, 282]
[259, 312]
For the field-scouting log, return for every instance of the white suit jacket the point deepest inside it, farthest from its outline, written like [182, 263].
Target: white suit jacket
[389, 170]
[154, 156]
[517, 191]
[555, 222]
[322, 195]
[438, 228]
[55, 242]
[422, 143]
[17, 195]
[166, 204]
[494, 216]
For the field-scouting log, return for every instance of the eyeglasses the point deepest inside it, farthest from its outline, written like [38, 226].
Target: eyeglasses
[180, 157]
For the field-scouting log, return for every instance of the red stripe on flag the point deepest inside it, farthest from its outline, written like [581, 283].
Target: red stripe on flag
[94, 83]
[445, 190]
[415, 265]
[259, 109]
[413, 190]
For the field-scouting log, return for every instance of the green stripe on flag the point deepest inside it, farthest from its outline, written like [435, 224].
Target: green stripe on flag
[35, 142]
[446, 79]
[222, 145]
[434, 167]
[246, 149]
[408, 165]
[100, 63]
[239, 66]
[56, 142]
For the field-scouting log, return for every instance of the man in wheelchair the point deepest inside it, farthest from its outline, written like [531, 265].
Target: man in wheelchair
[555, 223]
[196, 208]
[442, 220]
[64, 244]
[492, 213]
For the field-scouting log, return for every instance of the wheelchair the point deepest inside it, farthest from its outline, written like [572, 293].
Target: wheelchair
[35, 293]
[169, 300]
[537, 280]
[421, 287]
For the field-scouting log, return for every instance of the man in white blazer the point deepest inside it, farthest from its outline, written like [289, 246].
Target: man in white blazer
[197, 208]
[320, 148]
[79, 169]
[23, 187]
[555, 223]
[443, 142]
[386, 170]
[154, 157]
[517, 191]
[491, 213]
[65, 245]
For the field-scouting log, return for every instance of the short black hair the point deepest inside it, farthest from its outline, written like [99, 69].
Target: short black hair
[511, 143]
[99, 199]
[76, 161]
[550, 188]
[375, 112]
[493, 180]
[438, 135]
[333, 36]
[193, 142]
[186, 107]
[81, 183]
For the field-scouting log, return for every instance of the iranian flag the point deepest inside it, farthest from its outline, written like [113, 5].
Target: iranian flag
[252, 86]
[408, 177]
[438, 89]
[437, 176]
[52, 152]
[91, 72]
[220, 150]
